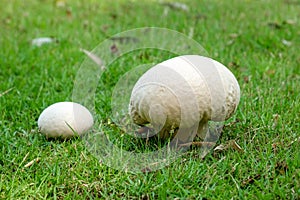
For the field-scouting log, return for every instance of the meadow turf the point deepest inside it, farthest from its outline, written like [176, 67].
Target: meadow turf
[257, 40]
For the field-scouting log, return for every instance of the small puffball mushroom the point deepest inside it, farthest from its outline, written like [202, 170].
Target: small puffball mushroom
[65, 119]
[184, 92]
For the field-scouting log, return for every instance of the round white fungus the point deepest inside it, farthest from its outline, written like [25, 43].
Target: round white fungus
[65, 119]
[184, 92]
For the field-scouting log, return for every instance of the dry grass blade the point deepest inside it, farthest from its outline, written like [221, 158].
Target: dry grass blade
[235, 146]
[72, 129]
[230, 144]
[220, 147]
[295, 140]
[198, 144]
[36, 160]
[95, 58]
[6, 91]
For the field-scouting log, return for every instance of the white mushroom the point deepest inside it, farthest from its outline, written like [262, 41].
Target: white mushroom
[184, 92]
[65, 119]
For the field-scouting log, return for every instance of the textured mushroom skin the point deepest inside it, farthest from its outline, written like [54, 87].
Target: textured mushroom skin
[183, 92]
[63, 119]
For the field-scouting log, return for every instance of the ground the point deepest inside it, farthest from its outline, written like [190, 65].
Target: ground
[257, 40]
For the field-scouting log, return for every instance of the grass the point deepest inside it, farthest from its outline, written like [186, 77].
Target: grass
[257, 40]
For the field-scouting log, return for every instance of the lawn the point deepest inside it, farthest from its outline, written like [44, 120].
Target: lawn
[257, 40]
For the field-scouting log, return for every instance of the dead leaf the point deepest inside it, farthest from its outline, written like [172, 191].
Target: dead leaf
[124, 40]
[270, 72]
[275, 147]
[246, 79]
[41, 41]
[36, 160]
[250, 180]
[281, 167]
[290, 22]
[114, 49]
[69, 12]
[95, 58]
[177, 6]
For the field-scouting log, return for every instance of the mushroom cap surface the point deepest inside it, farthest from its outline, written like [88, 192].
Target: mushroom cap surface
[184, 91]
[65, 119]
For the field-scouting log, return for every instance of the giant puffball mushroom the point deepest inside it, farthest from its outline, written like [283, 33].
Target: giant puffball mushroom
[65, 119]
[184, 92]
